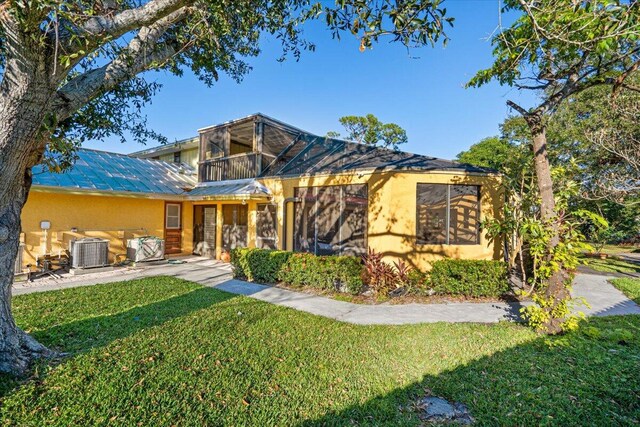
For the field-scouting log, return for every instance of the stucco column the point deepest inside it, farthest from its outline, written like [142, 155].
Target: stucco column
[218, 230]
[251, 224]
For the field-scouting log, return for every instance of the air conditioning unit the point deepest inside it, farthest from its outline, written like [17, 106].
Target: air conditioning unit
[89, 253]
[17, 269]
[148, 248]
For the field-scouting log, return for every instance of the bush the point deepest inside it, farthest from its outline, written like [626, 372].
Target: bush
[471, 278]
[258, 265]
[341, 273]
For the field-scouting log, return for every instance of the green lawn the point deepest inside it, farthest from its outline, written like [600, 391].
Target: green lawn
[168, 352]
[630, 287]
[611, 265]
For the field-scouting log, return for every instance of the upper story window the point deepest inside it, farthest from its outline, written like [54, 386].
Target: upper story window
[177, 157]
[448, 214]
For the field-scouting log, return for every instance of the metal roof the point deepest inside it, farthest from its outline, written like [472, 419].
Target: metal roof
[103, 171]
[322, 155]
[239, 189]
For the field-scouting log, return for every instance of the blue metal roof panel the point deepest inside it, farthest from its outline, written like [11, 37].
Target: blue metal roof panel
[103, 171]
[239, 188]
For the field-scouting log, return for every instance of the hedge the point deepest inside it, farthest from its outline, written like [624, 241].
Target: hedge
[258, 265]
[471, 278]
[341, 273]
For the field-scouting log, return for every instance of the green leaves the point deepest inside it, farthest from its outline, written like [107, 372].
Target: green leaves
[370, 130]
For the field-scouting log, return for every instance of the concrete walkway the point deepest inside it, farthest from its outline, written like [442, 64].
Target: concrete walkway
[603, 297]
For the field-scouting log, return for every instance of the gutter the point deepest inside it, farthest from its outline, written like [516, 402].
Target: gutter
[91, 192]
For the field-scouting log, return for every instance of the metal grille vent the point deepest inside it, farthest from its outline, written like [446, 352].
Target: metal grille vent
[145, 249]
[17, 269]
[89, 252]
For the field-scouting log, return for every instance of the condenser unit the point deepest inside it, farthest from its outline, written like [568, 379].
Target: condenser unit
[19, 260]
[89, 253]
[148, 248]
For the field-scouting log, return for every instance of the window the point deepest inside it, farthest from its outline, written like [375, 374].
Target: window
[176, 157]
[173, 216]
[266, 232]
[448, 214]
[331, 220]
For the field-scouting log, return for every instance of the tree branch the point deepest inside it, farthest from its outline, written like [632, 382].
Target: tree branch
[518, 108]
[130, 19]
[142, 53]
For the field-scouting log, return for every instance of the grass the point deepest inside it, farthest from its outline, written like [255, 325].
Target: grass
[630, 287]
[618, 249]
[162, 351]
[611, 265]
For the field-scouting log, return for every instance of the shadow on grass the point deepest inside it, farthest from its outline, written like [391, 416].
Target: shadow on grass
[575, 379]
[83, 335]
[86, 334]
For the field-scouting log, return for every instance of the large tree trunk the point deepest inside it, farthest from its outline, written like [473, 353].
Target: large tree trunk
[26, 92]
[556, 289]
[19, 151]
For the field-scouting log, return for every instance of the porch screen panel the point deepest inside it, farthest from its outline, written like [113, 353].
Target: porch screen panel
[328, 215]
[209, 220]
[266, 223]
[464, 215]
[234, 226]
[304, 222]
[331, 220]
[353, 230]
[431, 213]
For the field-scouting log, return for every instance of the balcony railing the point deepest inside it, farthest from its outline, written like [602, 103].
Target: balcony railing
[239, 166]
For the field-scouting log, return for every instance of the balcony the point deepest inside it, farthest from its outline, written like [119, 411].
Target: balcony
[238, 166]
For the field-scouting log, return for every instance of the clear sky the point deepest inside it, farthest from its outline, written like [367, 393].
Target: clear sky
[422, 90]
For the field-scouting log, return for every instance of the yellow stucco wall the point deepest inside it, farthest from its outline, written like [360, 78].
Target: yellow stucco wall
[392, 212]
[109, 217]
[391, 216]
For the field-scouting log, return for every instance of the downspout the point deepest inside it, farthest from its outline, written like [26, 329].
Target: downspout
[284, 219]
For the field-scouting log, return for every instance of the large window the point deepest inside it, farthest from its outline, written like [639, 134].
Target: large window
[331, 220]
[448, 214]
[266, 232]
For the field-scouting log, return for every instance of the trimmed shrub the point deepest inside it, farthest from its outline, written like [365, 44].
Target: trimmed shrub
[337, 273]
[341, 273]
[471, 278]
[258, 265]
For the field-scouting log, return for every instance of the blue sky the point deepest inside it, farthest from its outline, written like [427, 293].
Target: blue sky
[421, 90]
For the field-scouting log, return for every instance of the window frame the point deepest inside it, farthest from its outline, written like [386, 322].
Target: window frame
[421, 242]
[179, 216]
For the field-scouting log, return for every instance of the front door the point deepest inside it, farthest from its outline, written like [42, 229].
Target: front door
[173, 228]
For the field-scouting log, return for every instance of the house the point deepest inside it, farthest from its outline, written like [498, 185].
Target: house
[264, 183]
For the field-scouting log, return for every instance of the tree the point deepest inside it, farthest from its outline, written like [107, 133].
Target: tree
[75, 69]
[560, 48]
[370, 130]
[603, 136]
[492, 152]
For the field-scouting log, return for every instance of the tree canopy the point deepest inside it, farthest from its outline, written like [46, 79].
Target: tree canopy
[370, 130]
